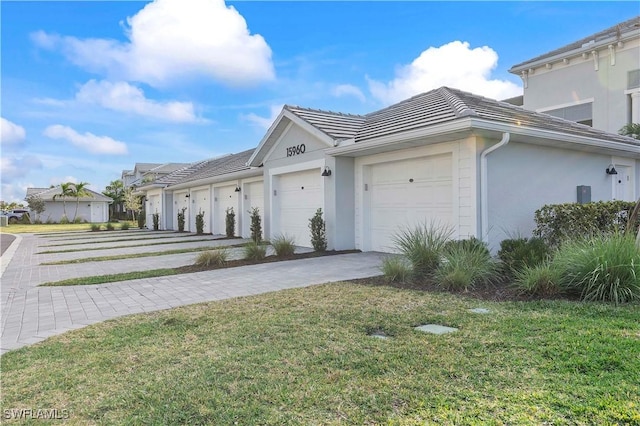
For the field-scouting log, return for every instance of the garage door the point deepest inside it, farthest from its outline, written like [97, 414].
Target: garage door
[153, 207]
[181, 201]
[406, 193]
[201, 203]
[225, 197]
[298, 197]
[253, 194]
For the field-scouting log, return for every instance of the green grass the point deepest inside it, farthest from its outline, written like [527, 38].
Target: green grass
[304, 357]
[111, 278]
[115, 240]
[137, 255]
[117, 247]
[53, 227]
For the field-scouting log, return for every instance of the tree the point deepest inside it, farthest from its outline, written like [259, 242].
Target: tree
[65, 191]
[36, 205]
[631, 130]
[132, 202]
[115, 191]
[79, 190]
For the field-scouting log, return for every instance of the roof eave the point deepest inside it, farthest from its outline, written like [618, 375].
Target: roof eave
[216, 179]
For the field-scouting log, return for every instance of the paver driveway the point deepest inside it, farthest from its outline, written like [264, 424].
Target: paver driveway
[30, 313]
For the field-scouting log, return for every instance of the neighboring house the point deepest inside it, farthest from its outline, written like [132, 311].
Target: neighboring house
[143, 173]
[94, 208]
[479, 165]
[593, 81]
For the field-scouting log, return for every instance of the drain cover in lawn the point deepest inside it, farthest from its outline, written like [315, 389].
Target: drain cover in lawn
[480, 310]
[436, 329]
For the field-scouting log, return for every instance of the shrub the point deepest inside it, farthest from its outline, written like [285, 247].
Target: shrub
[156, 221]
[25, 219]
[212, 258]
[255, 251]
[318, 231]
[230, 222]
[283, 245]
[200, 223]
[465, 266]
[77, 219]
[124, 226]
[95, 227]
[468, 244]
[396, 269]
[64, 220]
[601, 268]
[256, 225]
[540, 280]
[181, 220]
[110, 227]
[141, 220]
[423, 246]
[556, 223]
[520, 253]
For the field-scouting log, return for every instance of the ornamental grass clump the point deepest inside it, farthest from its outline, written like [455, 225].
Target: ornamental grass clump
[283, 245]
[538, 280]
[125, 226]
[423, 246]
[212, 258]
[464, 266]
[601, 268]
[396, 269]
[255, 251]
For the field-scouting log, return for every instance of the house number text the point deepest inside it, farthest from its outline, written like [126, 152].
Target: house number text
[296, 150]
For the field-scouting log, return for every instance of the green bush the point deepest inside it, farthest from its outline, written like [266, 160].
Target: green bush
[256, 225]
[396, 269]
[200, 223]
[125, 226]
[556, 223]
[110, 227]
[77, 219]
[538, 280]
[25, 219]
[156, 221]
[601, 268]
[141, 220]
[255, 251]
[283, 245]
[212, 258]
[230, 222]
[318, 231]
[181, 219]
[423, 246]
[95, 227]
[520, 253]
[464, 266]
[64, 220]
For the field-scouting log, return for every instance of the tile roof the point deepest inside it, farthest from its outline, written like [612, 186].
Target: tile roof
[47, 194]
[616, 31]
[216, 167]
[335, 124]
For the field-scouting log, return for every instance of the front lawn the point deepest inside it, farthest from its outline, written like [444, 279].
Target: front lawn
[305, 356]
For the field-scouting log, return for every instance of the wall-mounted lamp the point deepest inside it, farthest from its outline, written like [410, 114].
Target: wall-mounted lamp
[237, 188]
[326, 172]
[611, 170]
[188, 195]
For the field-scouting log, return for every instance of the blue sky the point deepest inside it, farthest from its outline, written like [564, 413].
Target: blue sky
[91, 88]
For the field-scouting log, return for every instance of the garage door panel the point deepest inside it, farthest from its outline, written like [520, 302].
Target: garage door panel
[299, 196]
[225, 197]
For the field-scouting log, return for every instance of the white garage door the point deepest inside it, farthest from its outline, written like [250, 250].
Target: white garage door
[153, 207]
[181, 201]
[202, 203]
[253, 194]
[298, 197]
[225, 197]
[406, 193]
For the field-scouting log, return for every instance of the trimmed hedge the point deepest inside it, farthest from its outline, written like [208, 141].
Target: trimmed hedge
[556, 223]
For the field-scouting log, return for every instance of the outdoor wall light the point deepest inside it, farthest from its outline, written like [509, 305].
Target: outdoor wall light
[237, 188]
[187, 196]
[611, 170]
[326, 172]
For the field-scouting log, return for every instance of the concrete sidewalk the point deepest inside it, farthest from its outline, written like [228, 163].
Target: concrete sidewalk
[30, 313]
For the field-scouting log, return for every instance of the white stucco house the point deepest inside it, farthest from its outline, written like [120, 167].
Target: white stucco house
[93, 208]
[593, 81]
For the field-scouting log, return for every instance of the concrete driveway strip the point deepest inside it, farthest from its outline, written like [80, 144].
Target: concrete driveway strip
[31, 314]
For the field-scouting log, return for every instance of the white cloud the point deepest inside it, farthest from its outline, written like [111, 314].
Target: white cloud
[122, 96]
[348, 90]
[170, 40]
[263, 122]
[455, 65]
[56, 180]
[11, 133]
[14, 192]
[12, 168]
[87, 141]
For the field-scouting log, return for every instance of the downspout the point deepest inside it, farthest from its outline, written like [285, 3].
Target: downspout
[484, 203]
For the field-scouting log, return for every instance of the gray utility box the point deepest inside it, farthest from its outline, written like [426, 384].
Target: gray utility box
[584, 194]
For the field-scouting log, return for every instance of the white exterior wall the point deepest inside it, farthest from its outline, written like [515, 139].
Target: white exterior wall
[153, 204]
[88, 211]
[522, 178]
[576, 82]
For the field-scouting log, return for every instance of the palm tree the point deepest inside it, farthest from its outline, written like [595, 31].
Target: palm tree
[65, 191]
[78, 191]
[115, 191]
[631, 129]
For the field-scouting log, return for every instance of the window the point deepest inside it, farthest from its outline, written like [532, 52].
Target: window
[633, 79]
[582, 113]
